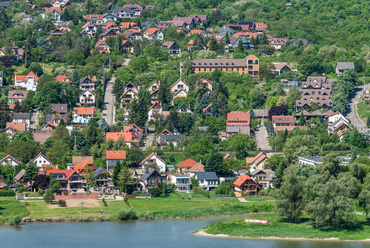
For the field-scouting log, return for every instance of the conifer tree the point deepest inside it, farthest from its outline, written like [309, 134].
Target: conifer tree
[75, 78]
[116, 171]
[215, 110]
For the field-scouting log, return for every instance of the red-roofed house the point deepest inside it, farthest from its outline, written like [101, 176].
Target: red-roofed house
[81, 166]
[154, 110]
[153, 159]
[228, 156]
[128, 25]
[260, 27]
[17, 95]
[110, 25]
[238, 122]
[63, 78]
[186, 165]
[133, 128]
[28, 81]
[102, 47]
[246, 185]
[94, 19]
[111, 158]
[153, 34]
[19, 126]
[196, 31]
[129, 138]
[88, 29]
[206, 83]
[257, 162]
[41, 137]
[55, 13]
[69, 179]
[82, 114]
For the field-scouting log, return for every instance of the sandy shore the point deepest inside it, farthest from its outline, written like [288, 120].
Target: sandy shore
[201, 232]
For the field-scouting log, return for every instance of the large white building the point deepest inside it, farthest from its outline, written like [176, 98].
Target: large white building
[83, 115]
[28, 81]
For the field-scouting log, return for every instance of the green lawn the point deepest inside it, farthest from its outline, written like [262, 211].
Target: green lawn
[9, 206]
[277, 227]
[363, 111]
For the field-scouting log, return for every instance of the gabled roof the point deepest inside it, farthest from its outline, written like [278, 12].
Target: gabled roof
[201, 17]
[164, 132]
[17, 94]
[336, 112]
[133, 125]
[80, 167]
[283, 119]
[124, 93]
[115, 154]
[206, 108]
[270, 174]
[79, 159]
[155, 105]
[124, 42]
[21, 116]
[109, 25]
[197, 168]
[151, 31]
[40, 154]
[20, 175]
[84, 110]
[151, 155]
[67, 173]
[11, 157]
[228, 156]
[183, 105]
[127, 137]
[125, 25]
[345, 65]
[179, 80]
[24, 77]
[20, 126]
[238, 119]
[149, 174]
[59, 10]
[41, 137]
[187, 163]
[83, 92]
[63, 78]
[196, 31]
[93, 17]
[155, 82]
[239, 182]
[87, 24]
[130, 32]
[257, 159]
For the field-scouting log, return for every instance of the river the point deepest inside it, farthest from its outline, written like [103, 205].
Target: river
[137, 234]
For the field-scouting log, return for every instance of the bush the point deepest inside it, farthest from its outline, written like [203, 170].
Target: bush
[127, 214]
[20, 188]
[40, 191]
[62, 203]
[7, 193]
[5, 188]
[17, 219]
[104, 202]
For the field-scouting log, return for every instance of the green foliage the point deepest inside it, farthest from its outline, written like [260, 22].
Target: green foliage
[127, 214]
[5, 193]
[105, 202]
[23, 150]
[31, 172]
[62, 203]
[74, 57]
[49, 195]
[124, 179]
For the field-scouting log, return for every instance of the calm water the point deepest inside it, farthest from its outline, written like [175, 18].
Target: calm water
[168, 233]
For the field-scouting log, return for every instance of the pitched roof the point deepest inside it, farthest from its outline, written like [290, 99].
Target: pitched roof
[261, 112]
[17, 94]
[201, 17]
[79, 167]
[187, 163]
[197, 168]
[67, 173]
[239, 182]
[59, 108]
[270, 174]
[40, 154]
[21, 116]
[93, 17]
[63, 78]
[164, 132]
[125, 25]
[79, 159]
[133, 125]
[196, 31]
[206, 108]
[20, 175]
[127, 137]
[155, 105]
[148, 174]
[86, 25]
[24, 77]
[59, 10]
[229, 156]
[84, 110]
[345, 65]
[257, 159]
[98, 171]
[283, 119]
[151, 31]
[20, 126]
[115, 154]
[238, 119]
[41, 137]
[11, 157]
[206, 175]
[150, 155]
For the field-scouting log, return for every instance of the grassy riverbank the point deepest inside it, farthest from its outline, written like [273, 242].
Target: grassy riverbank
[172, 206]
[9, 207]
[277, 227]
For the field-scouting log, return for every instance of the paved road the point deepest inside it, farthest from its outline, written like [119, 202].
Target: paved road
[34, 119]
[127, 60]
[109, 110]
[262, 142]
[352, 113]
[149, 138]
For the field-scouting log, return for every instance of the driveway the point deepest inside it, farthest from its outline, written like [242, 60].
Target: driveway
[352, 112]
[34, 119]
[262, 142]
[108, 109]
[149, 138]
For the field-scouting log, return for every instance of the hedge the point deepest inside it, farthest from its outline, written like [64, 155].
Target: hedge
[7, 193]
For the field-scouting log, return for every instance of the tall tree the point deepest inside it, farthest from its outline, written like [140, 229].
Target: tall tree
[116, 171]
[93, 134]
[31, 172]
[164, 94]
[215, 110]
[75, 78]
[125, 178]
[59, 152]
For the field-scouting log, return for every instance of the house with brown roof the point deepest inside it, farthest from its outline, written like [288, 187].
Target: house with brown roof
[172, 47]
[166, 137]
[86, 83]
[9, 159]
[128, 137]
[127, 47]
[153, 34]
[228, 156]
[94, 19]
[40, 160]
[41, 136]
[112, 157]
[69, 179]
[17, 96]
[249, 65]
[257, 162]
[185, 165]
[80, 167]
[153, 86]
[200, 19]
[184, 22]
[277, 43]
[205, 83]
[178, 86]
[153, 160]
[282, 120]
[63, 78]
[83, 114]
[87, 98]
[246, 185]
[154, 111]
[164, 24]
[264, 177]
[315, 89]
[20, 126]
[56, 13]
[278, 67]
[238, 122]
[57, 32]
[198, 167]
[130, 93]
[110, 25]
[260, 114]
[102, 47]
[88, 29]
[10, 131]
[60, 108]
[108, 33]
[28, 81]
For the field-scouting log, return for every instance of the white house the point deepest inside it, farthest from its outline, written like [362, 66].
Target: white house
[207, 180]
[9, 159]
[330, 119]
[87, 98]
[40, 160]
[55, 13]
[108, 17]
[179, 85]
[154, 110]
[88, 29]
[28, 81]
[153, 159]
[153, 34]
[182, 182]
[83, 114]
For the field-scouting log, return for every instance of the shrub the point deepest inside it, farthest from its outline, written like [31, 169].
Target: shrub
[20, 188]
[5, 188]
[104, 202]
[127, 214]
[40, 191]
[17, 219]
[7, 193]
[62, 203]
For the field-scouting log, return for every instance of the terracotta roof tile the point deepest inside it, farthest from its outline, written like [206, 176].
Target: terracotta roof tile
[115, 154]
[187, 163]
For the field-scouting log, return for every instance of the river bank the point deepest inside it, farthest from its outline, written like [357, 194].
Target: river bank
[278, 228]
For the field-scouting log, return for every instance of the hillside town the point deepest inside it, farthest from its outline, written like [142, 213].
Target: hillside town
[124, 100]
